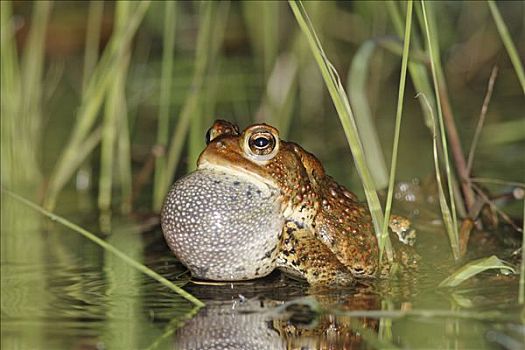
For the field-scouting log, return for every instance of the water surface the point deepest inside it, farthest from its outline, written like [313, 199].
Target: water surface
[73, 295]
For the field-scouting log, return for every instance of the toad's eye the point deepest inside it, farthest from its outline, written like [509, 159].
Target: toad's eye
[261, 143]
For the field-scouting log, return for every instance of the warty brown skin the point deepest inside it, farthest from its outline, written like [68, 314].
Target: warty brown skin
[328, 235]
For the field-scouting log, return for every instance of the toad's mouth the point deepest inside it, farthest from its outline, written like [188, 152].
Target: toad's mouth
[261, 182]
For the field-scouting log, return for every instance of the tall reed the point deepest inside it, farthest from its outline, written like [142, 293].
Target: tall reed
[399, 112]
[170, 17]
[452, 227]
[115, 120]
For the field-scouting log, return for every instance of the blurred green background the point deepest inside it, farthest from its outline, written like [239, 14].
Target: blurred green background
[252, 66]
[104, 104]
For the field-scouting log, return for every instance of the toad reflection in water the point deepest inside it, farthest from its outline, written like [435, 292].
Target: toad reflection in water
[258, 321]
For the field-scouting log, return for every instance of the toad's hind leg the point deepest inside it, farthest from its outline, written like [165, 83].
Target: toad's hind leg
[302, 255]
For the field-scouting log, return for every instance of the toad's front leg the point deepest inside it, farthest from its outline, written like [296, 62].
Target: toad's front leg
[304, 256]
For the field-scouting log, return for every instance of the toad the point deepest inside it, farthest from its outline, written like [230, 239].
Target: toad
[256, 203]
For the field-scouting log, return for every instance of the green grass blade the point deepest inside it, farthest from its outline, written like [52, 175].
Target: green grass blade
[481, 120]
[109, 133]
[124, 150]
[357, 94]
[417, 70]
[113, 110]
[433, 58]
[445, 211]
[123, 143]
[509, 45]
[399, 112]
[333, 83]
[473, 268]
[170, 18]
[108, 247]
[94, 27]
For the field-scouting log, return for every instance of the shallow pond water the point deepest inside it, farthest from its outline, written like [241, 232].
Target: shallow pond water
[73, 295]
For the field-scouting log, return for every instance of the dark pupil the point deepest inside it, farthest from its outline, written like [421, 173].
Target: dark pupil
[261, 142]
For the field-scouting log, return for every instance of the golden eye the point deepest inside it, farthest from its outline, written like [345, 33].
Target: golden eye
[261, 143]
